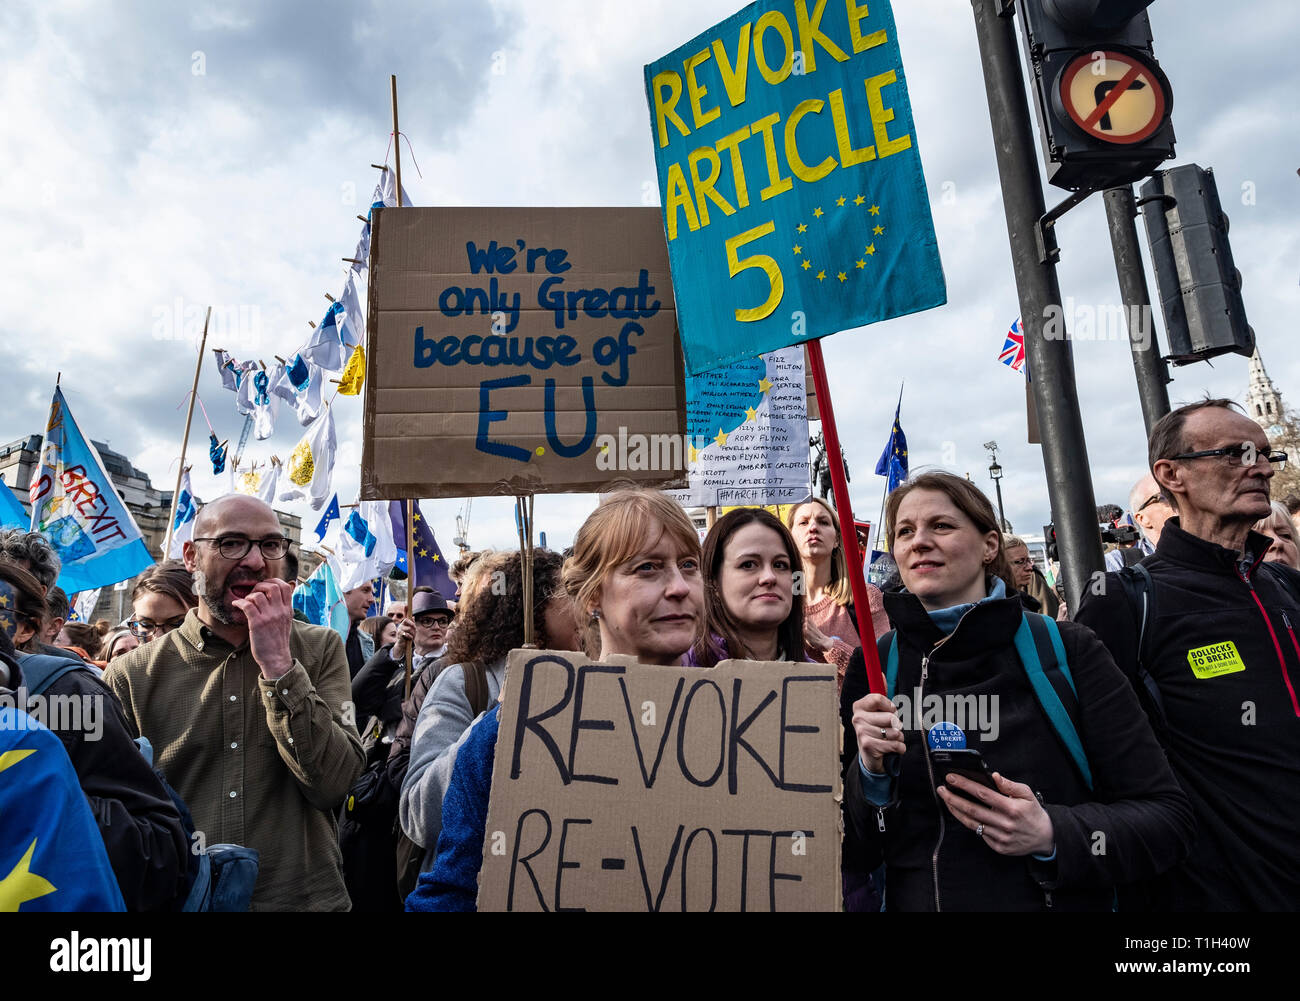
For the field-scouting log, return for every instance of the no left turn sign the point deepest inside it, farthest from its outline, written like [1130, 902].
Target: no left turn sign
[1115, 97]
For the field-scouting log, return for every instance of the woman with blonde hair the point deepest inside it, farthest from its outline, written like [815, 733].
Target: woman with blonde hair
[1279, 527]
[830, 619]
[634, 581]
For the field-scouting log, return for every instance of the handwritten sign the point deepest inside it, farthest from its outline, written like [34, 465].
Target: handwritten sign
[752, 418]
[621, 786]
[514, 350]
[793, 197]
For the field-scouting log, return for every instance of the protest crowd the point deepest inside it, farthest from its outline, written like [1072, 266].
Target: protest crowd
[278, 727]
[314, 775]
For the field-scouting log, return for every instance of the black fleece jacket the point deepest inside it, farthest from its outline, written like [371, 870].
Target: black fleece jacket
[1231, 718]
[1134, 823]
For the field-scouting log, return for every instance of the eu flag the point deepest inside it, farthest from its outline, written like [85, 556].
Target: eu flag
[52, 855]
[893, 460]
[430, 567]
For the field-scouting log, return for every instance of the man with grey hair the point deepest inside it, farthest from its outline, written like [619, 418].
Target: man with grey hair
[1205, 630]
[249, 710]
[31, 551]
[1150, 511]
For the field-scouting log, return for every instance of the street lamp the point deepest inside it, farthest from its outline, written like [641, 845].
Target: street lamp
[995, 472]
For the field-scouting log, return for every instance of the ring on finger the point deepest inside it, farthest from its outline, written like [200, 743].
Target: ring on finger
[979, 830]
[884, 734]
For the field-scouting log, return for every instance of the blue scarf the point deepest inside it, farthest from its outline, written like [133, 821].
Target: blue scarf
[947, 618]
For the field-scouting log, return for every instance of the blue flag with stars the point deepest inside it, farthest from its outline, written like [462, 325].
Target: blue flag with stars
[331, 512]
[790, 179]
[893, 460]
[52, 855]
[430, 567]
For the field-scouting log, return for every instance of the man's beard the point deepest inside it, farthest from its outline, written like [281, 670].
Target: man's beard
[213, 598]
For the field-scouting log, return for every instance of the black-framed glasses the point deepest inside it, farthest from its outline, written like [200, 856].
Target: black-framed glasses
[440, 621]
[1236, 454]
[147, 627]
[1027, 561]
[235, 547]
[1153, 499]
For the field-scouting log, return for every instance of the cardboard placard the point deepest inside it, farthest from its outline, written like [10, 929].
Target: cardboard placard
[790, 176]
[517, 351]
[627, 787]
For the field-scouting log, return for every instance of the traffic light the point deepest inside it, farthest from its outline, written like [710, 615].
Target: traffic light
[1198, 285]
[1103, 103]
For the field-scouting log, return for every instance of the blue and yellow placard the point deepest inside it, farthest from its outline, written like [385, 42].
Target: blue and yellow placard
[790, 178]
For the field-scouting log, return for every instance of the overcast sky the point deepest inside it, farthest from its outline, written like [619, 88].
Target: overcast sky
[159, 156]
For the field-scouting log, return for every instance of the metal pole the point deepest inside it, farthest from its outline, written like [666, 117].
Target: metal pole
[1051, 366]
[1152, 374]
[1002, 518]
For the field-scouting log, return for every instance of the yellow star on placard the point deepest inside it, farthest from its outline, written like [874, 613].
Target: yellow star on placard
[821, 275]
[691, 452]
[818, 212]
[840, 201]
[765, 385]
[798, 249]
[4, 600]
[875, 210]
[862, 264]
[842, 276]
[871, 248]
[802, 227]
[859, 200]
[806, 265]
[750, 413]
[721, 439]
[22, 885]
[878, 230]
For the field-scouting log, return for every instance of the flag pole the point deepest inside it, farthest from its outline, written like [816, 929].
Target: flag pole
[185, 441]
[884, 494]
[844, 508]
[410, 503]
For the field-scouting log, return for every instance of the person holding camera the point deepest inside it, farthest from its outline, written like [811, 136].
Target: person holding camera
[1009, 767]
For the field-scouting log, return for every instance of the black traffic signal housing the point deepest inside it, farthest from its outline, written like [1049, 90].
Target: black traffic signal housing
[1198, 284]
[1080, 53]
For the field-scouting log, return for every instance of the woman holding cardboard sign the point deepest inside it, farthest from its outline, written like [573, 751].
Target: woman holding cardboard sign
[1028, 778]
[752, 610]
[634, 579]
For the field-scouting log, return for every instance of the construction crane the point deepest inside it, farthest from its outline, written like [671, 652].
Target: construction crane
[461, 539]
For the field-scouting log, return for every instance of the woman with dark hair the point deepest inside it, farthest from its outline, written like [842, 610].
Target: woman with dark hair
[489, 626]
[751, 608]
[163, 596]
[634, 580]
[382, 629]
[968, 669]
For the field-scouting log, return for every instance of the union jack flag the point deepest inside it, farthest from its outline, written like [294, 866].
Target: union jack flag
[1013, 351]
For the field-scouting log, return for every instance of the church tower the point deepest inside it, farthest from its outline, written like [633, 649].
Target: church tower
[1263, 401]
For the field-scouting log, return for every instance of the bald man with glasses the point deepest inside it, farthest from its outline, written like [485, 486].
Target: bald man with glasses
[249, 710]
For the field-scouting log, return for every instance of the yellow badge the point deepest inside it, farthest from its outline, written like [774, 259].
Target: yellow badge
[1215, 659]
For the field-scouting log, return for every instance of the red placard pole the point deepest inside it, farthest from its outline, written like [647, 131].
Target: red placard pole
[844, 509]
